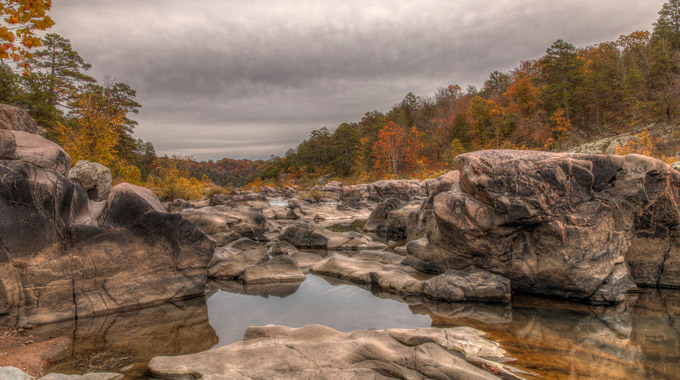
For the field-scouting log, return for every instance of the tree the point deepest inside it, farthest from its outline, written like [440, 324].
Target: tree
[561, 75]
[388, 149]
[667, 25]
[345, 144]
[91, 134]
[20, 20]
[11, 91]
[62, 69]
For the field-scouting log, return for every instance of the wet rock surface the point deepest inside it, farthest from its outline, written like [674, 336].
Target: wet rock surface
[319, 352]
[385, 273]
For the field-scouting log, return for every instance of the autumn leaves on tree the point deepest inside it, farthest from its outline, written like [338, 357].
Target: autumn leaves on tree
[20, 20]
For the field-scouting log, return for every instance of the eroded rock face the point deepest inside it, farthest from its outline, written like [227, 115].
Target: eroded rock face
[62, 256]
[93, 177]
[219, 220]
[319, 352]
[568, 225]
[310, 236]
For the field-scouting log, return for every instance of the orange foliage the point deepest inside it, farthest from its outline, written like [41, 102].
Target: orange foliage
[23, 18]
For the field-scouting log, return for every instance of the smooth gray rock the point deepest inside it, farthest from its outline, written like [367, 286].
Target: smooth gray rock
[310, 236]
[13, 373]
[470, 284]
[276, 269]
[40, 152]
[319, 352]
[93, 177]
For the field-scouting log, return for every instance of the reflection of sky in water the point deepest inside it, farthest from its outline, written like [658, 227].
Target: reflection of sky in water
[342, 307]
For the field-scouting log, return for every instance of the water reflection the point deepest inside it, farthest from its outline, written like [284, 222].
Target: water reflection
[564, 340]
[125, 342]
[343, 307]
[556, 339]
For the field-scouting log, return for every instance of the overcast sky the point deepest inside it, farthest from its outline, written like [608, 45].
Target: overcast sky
[248, 79]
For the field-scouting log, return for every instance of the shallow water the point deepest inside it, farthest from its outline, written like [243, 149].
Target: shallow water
[558, 340]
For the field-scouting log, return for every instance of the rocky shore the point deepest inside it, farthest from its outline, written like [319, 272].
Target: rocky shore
[581, 227]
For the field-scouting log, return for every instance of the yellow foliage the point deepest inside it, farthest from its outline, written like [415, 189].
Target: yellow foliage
[645, 144]
[127, 173]
[169, 182]
[92, 135]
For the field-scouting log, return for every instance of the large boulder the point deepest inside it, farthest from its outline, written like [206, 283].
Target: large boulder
[62, 256]
[418, 221]
[219, 220]
[584, 227]
[93, 177]
[390, 219]
[15, 119]
[319, 352]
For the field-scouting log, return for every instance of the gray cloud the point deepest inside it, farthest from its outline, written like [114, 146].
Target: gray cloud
[250, 79]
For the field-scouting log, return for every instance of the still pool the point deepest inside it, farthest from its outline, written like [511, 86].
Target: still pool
[556, 339]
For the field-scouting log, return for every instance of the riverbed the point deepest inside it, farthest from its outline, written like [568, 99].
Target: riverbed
[555, 339]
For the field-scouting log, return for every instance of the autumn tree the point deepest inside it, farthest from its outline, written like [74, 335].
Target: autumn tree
[91, 133]
[388, 149]
[20, 20]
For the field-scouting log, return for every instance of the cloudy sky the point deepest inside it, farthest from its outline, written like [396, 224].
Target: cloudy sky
[248, 79]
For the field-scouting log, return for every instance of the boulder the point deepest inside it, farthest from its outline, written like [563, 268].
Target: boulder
[231, 261]
[93, 177]
[319, 352]
[310, 236]
[420, 220]
[390, 219]
[40, 152]
[220, 219]
[279, 212]
[15, 119]
[276, 269]
[256, 201]
[584, 227]
[676, 165]
[62, 256]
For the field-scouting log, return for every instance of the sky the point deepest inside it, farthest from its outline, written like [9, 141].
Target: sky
[251, 79]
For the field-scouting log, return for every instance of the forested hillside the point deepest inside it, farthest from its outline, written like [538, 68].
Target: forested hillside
[566, 97]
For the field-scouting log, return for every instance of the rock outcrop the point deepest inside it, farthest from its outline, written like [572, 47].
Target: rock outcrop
[220, 222]
[390, 219]
[385, 273]
[62, 256]
[93, 177]
[319, 352]
[577, 226]
[310, 236]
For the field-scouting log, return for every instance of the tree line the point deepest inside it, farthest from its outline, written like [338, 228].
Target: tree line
[564, 98]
